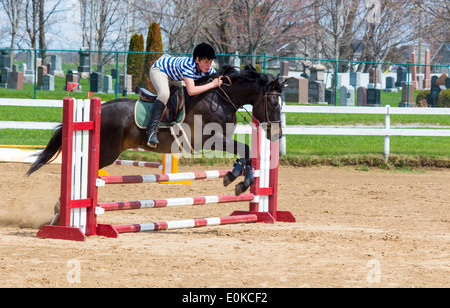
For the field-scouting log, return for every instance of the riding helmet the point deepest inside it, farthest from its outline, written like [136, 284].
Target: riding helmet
[204, 50]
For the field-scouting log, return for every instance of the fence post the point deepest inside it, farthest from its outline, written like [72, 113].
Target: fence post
[264, 62]
[387, 125]
[408, 80]
[335, 81]
[35, 73]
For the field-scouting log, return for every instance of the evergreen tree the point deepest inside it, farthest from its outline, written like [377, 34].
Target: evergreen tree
[135, 61]
[154, 44]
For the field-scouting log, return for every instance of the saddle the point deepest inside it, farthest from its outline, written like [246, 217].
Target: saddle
[172, 114]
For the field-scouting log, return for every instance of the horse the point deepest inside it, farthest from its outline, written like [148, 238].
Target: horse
[119, 131]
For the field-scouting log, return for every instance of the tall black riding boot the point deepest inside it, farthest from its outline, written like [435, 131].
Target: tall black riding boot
[158, 108]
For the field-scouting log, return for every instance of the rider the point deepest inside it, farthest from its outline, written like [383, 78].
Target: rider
[179, 68]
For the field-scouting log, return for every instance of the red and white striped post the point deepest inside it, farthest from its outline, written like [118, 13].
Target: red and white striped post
[81, 125]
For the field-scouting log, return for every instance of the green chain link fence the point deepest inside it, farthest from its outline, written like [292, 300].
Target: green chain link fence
[45, 73]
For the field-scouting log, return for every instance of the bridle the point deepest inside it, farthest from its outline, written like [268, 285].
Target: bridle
[263, 99]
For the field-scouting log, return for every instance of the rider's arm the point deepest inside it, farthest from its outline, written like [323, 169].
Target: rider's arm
[192, 89]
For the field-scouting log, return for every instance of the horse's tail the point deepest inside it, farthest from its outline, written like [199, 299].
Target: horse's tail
[53, 147]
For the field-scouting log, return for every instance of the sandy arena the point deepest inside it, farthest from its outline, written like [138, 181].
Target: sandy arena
[354, 229]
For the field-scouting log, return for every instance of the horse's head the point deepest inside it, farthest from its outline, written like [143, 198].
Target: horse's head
[267, 108]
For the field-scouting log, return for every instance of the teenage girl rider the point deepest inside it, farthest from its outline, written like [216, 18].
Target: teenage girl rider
[188, 69]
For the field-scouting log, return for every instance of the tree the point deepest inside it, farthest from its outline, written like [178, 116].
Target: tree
[135, 61]
[13, 9]
[154, 44]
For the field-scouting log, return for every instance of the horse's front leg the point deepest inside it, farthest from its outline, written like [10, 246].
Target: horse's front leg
[243, 165]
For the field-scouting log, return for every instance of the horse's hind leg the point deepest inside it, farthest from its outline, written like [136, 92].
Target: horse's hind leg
[248, 179]
[238, 169]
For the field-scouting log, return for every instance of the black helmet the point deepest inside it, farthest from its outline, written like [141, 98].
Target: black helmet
[204, 50]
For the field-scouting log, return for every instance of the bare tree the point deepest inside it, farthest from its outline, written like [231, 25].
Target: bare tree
[13, 9]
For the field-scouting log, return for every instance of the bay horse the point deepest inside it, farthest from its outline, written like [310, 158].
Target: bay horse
[219, 105]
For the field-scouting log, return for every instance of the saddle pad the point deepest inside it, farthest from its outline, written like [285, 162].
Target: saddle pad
[143, 110]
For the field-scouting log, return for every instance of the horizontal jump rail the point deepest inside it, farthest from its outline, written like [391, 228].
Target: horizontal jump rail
[155, 203]
[187, 223]
[138, 163]
[168, 177]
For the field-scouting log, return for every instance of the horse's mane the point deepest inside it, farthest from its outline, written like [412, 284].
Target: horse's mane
[249, 73]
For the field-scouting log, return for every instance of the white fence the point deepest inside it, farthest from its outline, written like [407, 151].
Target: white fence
[385, 131]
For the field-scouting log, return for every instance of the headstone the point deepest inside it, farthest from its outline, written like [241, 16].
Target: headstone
[407, 95]
[433, 80]
[23, 67]
[373, 97]
[441, 80]
[374, 79]
[291, 93]
[427, 80]
[107, 84]
[15, 68]
[70, 77]
[347, 96]
[303, 90]
[361, 96]
[121, 83]
[96, 80]
[15, 80]
[329, 97]
[42, 71]
[390, 85]
[38, 62]
[28, 76]
[419, 82]
[4, 76]
[57, 66]
[49, 83]
[316, 92]
[318, 72]
[49, 68]
[237, 62]
[5, 60]
[401, 76]
[447, 82]
[284, 68]
[114, 73]
[83, 69]
[355, 79]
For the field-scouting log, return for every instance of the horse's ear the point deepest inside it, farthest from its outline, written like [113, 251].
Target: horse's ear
[276, 85]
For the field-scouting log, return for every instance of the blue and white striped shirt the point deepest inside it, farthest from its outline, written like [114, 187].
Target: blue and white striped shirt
[179, 67]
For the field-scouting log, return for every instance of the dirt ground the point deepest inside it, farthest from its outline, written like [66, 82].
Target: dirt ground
[354, 228]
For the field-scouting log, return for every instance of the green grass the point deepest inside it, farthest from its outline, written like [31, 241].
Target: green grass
[301, 150]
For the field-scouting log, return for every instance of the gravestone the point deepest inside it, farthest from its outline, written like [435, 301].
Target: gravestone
[15, 68]
[373, 97]
[114, 73]
[329, 97]
[318, 72]
[413, 70]
[303, 90]
[390, 85]
[83, 69]
[5, 60]
[129, 85]
[49, 83]
[107, 84]
[361, 96]
[56, 66]
[407, 95]
[72, 76]
[374, 79]
[447, 82]
[401, 76]
[433, 80]
[15, 80]
[291, 93]
[355, 79]
[96, 80]
[316, 92]
[419, 82]
[42, 71]
[4, 76]
[237, 62]
[28, 76]
[347, 96]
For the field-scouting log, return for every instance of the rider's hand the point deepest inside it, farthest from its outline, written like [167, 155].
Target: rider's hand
[218, 81]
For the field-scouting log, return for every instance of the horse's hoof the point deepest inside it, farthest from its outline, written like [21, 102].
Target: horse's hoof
[228, 178]
[239, 189]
